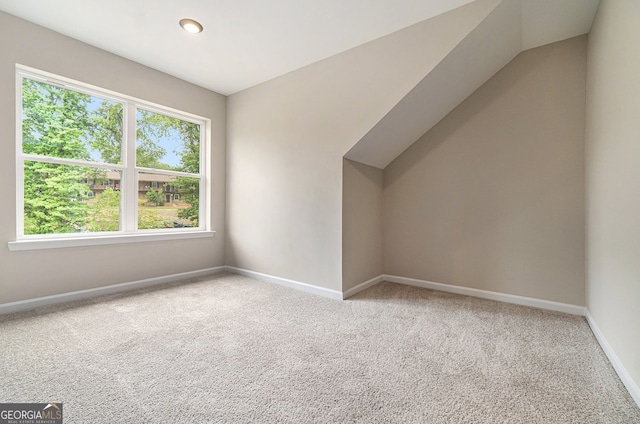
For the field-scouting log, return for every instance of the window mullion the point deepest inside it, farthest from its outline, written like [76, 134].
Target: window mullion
[73, 162]
[130, 186]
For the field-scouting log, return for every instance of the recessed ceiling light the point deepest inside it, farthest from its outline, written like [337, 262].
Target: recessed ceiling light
[191, 26]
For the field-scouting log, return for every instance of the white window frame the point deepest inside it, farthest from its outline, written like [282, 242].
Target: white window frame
[129, 172]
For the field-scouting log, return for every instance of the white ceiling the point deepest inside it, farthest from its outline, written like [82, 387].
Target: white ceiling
[244, 42]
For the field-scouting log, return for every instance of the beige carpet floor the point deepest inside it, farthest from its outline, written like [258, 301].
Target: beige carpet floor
[230, 349]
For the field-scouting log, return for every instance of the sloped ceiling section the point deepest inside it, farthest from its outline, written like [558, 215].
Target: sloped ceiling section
[511, 27]
[244, 42]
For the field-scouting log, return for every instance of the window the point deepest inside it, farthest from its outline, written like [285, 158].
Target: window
[92, 163]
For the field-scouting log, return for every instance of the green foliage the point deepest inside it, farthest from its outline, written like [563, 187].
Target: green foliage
[148, 153]
[187, 139]
[189, 189]
[106, 131]
[52, 195]
[54, 121]
[190, 162]
[61, 123]
[190, 153]
[104, 213]
[53, 124]
[148, 219]
[98, 175]
[155, 196]
[186, 135]
[188, 142]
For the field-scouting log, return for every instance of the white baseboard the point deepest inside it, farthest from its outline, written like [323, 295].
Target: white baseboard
[11, 307]
[501, 297]
[626, 379]
[7, 308]
[362, 286]
[628, 382]
[309, 288]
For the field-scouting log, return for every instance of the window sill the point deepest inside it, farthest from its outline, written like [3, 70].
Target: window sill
[55, 243]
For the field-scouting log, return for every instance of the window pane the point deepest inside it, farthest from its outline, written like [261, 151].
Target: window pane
[61, 123]
[62, 199]
[166, 201]
[164, 142]
[104, 202]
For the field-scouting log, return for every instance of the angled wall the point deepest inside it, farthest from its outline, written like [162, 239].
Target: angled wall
[31, 274]
[613, 181]
[490, 45]
[510, 27]
[362, 247]
[492, 197]
[286, 139]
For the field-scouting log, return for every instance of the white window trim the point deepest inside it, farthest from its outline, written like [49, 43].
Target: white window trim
[128, 173]
[104, 239]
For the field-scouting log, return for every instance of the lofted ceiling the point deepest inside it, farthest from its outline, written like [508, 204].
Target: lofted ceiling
[246, 42]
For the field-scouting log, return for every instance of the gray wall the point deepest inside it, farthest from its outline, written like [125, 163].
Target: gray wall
[31, 274]
[362, 257]
[286, 139]
[493, 196]
[613, 179]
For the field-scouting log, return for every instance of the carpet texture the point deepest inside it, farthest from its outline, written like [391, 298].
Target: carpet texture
[230, 349]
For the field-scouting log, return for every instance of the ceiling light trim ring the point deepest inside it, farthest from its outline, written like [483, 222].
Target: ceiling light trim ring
[190, 25]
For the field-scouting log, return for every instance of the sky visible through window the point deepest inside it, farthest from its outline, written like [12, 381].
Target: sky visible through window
[67, 129]
[169, 143]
